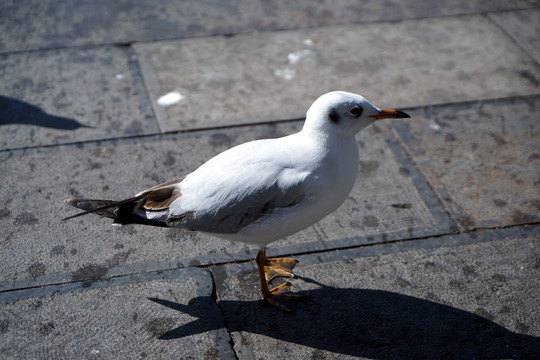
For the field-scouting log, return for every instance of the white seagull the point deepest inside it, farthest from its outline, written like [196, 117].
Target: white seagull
[263, 190]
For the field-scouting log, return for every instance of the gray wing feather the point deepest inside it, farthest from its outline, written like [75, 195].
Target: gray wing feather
[238, 213]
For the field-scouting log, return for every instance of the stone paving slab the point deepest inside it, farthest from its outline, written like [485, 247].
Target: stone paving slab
[466, 296]
[390, 201]
[524, 27]
[266, 76]
[69, 95]
[482, 159]
[121, 318]
[39, 24]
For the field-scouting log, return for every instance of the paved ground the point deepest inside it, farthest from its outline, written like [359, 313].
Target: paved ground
[436, 253]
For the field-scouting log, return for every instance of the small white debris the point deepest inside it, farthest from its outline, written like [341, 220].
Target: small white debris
[119, 76]
[435, 127]
[94, 352]
[170, 99]
[309, 42]
[287, 74]
[296, 56]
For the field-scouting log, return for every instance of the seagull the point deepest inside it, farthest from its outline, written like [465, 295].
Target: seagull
[263, 190]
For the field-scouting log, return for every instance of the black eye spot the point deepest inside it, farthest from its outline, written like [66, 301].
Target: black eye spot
[334, 116]
[356, 111]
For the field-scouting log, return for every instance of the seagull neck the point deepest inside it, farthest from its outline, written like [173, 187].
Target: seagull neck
[323, 137]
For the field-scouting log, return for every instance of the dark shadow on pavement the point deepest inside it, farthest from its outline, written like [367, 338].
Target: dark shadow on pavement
[375, 324]
[13, 111]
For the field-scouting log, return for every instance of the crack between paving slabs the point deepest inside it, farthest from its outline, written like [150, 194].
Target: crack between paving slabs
[216, 302]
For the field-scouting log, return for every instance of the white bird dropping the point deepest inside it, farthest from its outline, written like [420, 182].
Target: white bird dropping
[170, 99]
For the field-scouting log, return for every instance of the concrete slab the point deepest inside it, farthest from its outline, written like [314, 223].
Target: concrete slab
[482, 159]
[468, 296]
[39, 24]
[524, 27]
[390, 201]
[36, 243]
[267, 76]
[121, 318]
[68, 95]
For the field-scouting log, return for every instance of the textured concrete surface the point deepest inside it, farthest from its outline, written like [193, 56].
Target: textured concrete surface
[123, 318]
[524, 28]
[482, 159]
[51, 24]
[434, 255]
[276, 75]
[71, 95]
[467, 297]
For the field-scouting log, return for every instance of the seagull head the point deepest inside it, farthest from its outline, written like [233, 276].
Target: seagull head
[345, 114]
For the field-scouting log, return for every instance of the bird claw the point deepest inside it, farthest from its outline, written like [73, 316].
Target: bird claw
[282, 298]
[281, 267]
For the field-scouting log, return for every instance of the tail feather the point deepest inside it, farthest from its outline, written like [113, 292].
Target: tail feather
[99, 207]
[132, 210]
[105, 208]
[122, 212]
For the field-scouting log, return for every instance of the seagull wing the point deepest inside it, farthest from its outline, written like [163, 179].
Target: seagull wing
[237, 188]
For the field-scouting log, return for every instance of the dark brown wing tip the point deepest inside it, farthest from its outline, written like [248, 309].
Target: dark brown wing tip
[89, 206]
[73, 216]
[72, 201]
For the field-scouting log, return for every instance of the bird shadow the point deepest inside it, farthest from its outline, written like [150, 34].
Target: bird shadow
[368, 323]
[13, 111]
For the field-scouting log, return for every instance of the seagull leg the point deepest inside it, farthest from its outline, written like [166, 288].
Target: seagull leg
[280, 296]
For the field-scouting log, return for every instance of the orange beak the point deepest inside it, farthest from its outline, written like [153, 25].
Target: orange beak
[390, 114]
